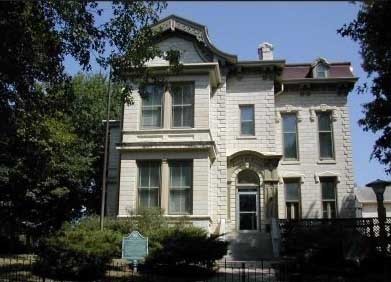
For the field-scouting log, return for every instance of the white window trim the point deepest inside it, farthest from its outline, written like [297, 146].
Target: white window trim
[158, 188]
[172, 106]
[181, 188]
[141, 125]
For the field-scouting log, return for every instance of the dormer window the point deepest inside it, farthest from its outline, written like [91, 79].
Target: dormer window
[321, 71]
[320, 68]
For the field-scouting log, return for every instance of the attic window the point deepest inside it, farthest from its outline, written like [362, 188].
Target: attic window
[321, 71]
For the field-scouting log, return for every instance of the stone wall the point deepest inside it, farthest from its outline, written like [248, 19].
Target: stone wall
[309, 167]
[250, 90]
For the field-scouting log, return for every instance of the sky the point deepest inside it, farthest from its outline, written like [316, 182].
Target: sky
[299, 32]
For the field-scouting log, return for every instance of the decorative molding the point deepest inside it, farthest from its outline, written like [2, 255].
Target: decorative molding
[289, 109]
[327, 174]
[290, 175]
[323, 108]
[199, 32]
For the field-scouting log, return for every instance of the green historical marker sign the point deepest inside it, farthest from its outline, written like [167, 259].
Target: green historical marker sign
[134, 247]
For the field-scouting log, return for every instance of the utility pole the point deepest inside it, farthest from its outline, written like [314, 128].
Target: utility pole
[103, 197]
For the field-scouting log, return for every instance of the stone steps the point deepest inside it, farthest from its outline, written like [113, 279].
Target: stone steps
[252, 246]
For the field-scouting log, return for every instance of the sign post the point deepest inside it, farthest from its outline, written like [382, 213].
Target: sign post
[134, 248]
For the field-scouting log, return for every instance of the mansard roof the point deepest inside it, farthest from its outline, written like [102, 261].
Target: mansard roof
[174, 23]
[291, 73]
[337, 70]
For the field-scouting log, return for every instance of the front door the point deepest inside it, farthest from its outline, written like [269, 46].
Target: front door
[248, 209]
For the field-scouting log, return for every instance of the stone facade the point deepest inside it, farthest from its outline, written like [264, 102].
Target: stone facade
[218, 150]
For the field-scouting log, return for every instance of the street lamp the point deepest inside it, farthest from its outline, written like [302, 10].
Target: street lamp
[379, 186]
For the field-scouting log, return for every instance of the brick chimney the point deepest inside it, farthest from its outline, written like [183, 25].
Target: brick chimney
[265, 51]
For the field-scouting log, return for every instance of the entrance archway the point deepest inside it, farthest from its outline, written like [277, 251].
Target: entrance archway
[247, 168]
[247, 201]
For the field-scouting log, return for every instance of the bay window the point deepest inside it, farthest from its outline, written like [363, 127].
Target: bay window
[152, 107]
[149, 184]
[181, 184]
[182, 105]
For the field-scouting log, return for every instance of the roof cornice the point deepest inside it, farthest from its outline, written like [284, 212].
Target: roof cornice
[174, 23]
[320, 80]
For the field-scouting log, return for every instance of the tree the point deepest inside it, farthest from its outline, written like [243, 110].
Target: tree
[45, 163]
[86, 111]
[371, 31]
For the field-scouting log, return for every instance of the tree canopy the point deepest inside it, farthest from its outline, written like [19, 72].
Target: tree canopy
[48, 157]
[371, 30]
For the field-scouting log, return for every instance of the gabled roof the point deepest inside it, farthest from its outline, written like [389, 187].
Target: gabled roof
[174, 23]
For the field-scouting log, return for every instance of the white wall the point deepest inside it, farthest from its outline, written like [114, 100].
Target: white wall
[309, 164]
[370, 210]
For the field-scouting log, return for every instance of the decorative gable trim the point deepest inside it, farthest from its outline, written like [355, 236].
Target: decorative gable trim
[199, 32]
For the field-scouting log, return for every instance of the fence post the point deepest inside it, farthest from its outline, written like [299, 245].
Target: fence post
[243, 274]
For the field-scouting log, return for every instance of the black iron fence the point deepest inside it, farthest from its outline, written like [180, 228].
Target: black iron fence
[367, 227]
[21, 268]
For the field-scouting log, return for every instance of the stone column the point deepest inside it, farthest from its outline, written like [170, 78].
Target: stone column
[167, 102]
[270, 201]
[165, 186]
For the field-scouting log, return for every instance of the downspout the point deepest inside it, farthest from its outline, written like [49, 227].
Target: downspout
[282, 89]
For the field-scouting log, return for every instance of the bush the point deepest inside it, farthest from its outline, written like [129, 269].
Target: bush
[78, 252]
[185, 245]
[81, 251]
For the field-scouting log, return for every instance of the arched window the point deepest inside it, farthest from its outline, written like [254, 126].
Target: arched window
[248, 177]
[321, 71]
[320, 68]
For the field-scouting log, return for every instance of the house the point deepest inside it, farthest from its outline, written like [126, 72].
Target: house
[233, 144]
[366, 203]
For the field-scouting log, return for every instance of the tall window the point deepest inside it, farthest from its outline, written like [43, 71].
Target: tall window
[247, 120]
[289, 129]
[182, 105]
[328, 197]
[292, 198]
[325, 127]
[152, 107]
[149, 184]
[181, 183]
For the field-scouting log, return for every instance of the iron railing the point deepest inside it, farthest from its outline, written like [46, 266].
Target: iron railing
[367, 227]
[21, 268]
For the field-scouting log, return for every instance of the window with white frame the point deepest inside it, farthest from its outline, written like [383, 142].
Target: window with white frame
[247, 124]
[152, 107]
[325, 131]
[182, 105]
[181, 186]
[290, 136]
[149, 184]
[329, 207]
[292, 198]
